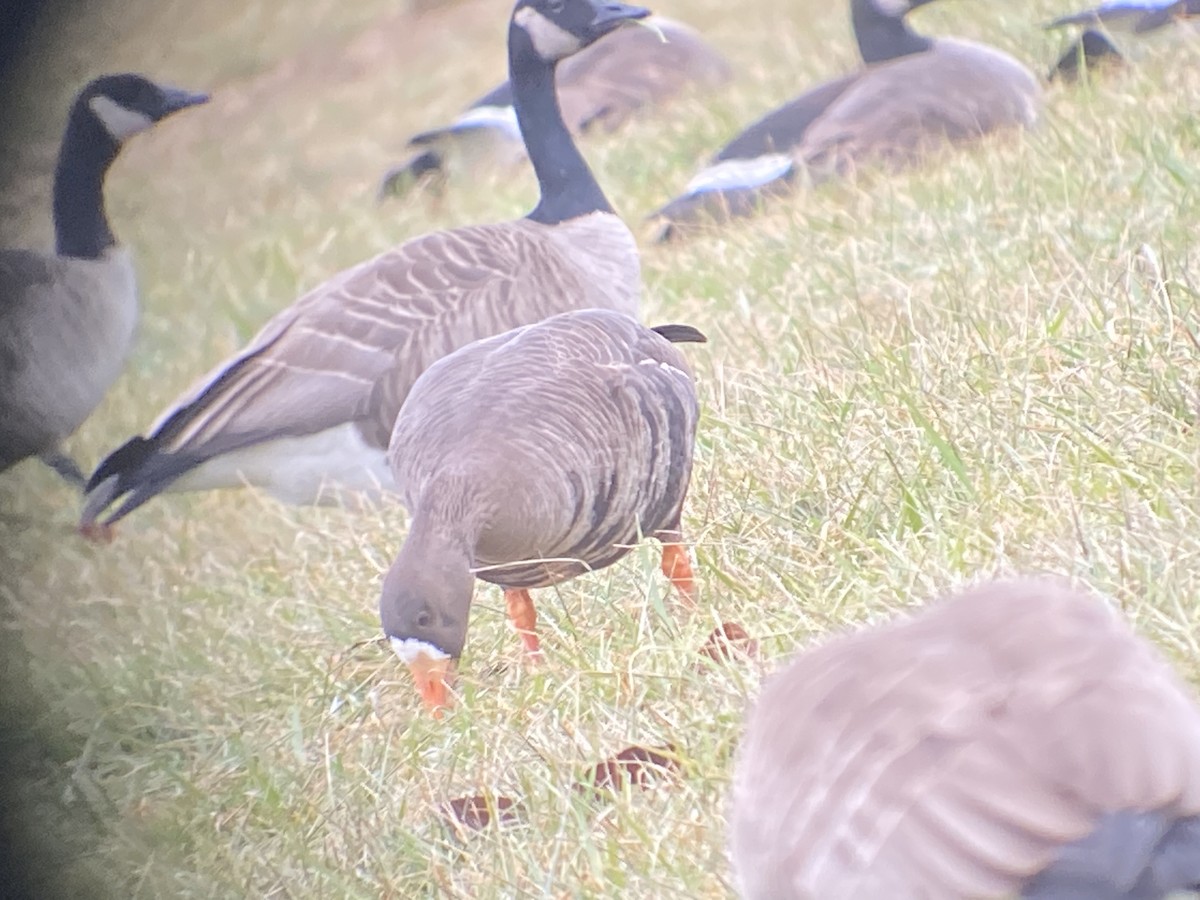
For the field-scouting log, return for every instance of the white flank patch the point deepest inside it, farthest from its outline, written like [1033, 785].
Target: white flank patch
[741, 173]
[498, 118]
[410, 648]
[316, 468]
[550, 41]
[119, 121]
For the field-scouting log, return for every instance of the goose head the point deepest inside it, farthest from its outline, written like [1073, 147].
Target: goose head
[424, 607]
[126, 104]
[556, 29]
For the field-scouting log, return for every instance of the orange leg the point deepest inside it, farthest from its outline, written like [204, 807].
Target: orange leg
[677, 566]
[98, 533]
[524, 619]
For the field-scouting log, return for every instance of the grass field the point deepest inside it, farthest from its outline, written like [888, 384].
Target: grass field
[986, 365]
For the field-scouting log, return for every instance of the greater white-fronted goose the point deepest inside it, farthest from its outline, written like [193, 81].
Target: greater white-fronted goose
[1016, 740]
[530, 458]
[67, 319]
[298, 411]
[915, 93]
[600, 87]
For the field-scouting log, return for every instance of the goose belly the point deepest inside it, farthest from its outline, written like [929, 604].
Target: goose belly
[335, 466]
[74, 342]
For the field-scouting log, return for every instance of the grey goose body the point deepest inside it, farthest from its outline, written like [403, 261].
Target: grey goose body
[302, 411]
[599, 88]
[530, 458]
[914, 95]
[1016, 740]
[67, 319]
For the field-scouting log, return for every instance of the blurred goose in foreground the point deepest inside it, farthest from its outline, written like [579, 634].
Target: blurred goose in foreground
[67, 319]
[1018, 740]
[600, 87]
[914, 94]
[298, 411]
[528, 459]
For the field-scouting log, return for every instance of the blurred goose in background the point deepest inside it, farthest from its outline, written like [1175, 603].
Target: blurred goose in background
[531, 458]
[1132, 16]
[1017, 740]
[67, 319]
[1094, 46]
[600, 87]
[914, 94]
[297, 411]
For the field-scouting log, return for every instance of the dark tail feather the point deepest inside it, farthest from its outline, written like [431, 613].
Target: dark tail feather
[681, 334]
[1093, 47]
[137, 469]
[692, 212]
[401, 178]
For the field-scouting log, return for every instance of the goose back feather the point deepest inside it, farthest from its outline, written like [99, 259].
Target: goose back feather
[570, 439]
[1018, 739]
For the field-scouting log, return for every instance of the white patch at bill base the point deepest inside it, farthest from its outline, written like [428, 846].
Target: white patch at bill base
[410, 648]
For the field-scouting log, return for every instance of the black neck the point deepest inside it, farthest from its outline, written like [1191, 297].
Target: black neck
[882, 37]
[80, 224]
[568, 188]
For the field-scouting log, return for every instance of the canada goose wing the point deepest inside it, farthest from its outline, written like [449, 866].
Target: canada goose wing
[316, 364]
[26, 279]
[756, 164]
[896, 110]
[632, 68]
[961, 752]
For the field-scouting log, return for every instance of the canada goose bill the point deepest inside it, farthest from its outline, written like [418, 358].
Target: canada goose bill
[915, 95]
[530, 458]
[1018, 739]
[67, 319]
[305, 410]
[626, 73]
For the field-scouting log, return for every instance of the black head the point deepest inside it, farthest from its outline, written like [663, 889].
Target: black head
[559, 28]
[127, 104]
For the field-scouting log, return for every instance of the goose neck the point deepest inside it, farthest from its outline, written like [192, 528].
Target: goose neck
[882, 36]
[568, 188]
[81, 227]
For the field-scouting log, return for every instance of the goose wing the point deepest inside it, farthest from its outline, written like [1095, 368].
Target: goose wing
[958, 754]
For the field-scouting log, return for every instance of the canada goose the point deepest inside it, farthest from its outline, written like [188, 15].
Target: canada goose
[297, 411]
[67, 319]
[914, 93]
[1134, 16]
[599, 87]
[1017, 740]
[527, 459]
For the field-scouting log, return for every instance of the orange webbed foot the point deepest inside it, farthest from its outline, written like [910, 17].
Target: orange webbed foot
[677, 566]
[524, 619]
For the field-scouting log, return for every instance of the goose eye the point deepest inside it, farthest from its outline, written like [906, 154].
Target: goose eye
[424, 619]
[556, 6]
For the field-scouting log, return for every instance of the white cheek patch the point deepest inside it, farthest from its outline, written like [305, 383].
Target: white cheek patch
[550, 41]
[732, 174]
[410, 648]
[119, 121]
[895, 9]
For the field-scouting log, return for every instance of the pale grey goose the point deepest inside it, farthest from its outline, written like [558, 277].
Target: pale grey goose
[67, 319]
[598, 88]
[527, 459]
[298, 412]
[1016, 740]
[914, 93]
